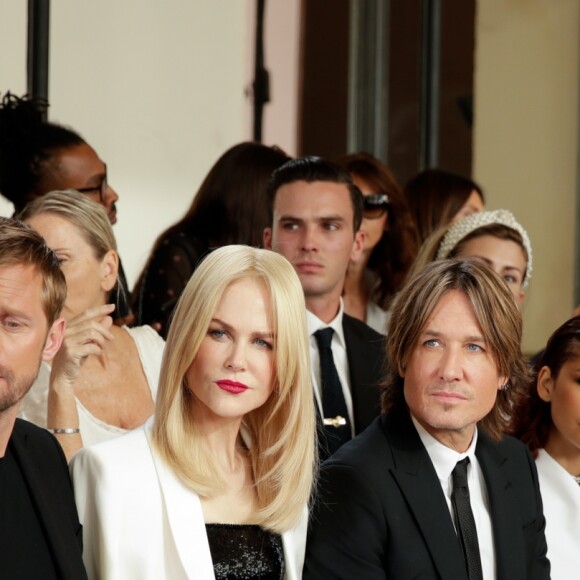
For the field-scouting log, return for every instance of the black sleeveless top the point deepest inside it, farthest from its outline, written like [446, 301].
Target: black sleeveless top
[245, 552]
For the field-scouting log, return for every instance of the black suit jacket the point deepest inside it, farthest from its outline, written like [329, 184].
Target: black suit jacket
[381, 512]
[366, 352]
[45, 471]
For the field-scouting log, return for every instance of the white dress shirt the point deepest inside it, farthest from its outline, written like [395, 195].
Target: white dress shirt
[561, 498]
[444, 460]
[338, 347]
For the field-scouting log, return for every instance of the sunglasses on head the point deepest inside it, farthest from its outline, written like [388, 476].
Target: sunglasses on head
[375, 205]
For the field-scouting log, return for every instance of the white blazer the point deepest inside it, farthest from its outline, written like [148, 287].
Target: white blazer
[141, 522]
[561, 499]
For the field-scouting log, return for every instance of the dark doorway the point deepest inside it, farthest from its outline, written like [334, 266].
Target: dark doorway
[334, 32]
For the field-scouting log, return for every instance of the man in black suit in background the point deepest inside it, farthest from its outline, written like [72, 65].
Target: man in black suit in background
[316, 215]
[432, 489]
[40, 533]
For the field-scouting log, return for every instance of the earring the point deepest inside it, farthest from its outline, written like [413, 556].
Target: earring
[505, 387]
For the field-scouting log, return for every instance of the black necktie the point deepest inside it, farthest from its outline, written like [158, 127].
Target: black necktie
[335, 414]
[464, 522]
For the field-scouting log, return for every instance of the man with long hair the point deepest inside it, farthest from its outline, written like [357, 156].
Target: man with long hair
[433, 489]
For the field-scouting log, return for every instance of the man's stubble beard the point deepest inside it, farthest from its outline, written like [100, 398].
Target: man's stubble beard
[14, 389]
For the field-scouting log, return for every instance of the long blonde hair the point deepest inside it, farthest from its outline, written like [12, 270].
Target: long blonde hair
[282, 431]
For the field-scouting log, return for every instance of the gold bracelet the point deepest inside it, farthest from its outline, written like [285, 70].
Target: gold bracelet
[65, 431]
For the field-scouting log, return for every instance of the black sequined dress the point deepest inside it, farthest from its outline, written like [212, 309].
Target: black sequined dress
[245, 552]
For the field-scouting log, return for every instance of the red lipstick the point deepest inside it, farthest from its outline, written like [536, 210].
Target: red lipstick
[231, 386]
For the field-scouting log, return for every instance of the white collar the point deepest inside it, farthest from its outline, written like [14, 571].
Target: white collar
[443, 458]
[314, 323]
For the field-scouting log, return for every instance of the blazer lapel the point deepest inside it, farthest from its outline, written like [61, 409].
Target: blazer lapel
[418, 482]
[364, 360]
[507, 533]
[294, 543]
[185, 517]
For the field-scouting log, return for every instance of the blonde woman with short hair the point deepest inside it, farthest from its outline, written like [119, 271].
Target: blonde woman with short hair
[104, 378]
[217, 484]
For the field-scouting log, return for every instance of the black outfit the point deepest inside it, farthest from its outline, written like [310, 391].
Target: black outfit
[333, 402]
[381, 512]
[40, 533]
[365, 353]
[164, 279]
[245, 552]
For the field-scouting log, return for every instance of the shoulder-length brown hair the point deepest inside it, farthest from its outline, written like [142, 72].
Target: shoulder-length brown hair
[393, 255]
[496, 312]
[435, 196]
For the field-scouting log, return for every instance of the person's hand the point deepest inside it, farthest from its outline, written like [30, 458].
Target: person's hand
[85, 335]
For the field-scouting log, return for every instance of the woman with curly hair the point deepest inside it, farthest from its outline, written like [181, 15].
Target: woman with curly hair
[38, 156]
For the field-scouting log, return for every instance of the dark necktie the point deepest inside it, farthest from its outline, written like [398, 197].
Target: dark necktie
[335, 414]
[464, 522]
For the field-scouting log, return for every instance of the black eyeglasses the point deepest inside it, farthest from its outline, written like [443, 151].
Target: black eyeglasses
[375, 205]
[96, 192]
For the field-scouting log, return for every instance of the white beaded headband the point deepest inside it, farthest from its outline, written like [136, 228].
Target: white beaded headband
[462, 228]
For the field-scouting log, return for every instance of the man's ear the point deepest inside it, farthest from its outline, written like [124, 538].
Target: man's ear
[545, 384]
[267, 238]
[357, 246]
[109, 270]
[363, 237]
[54, 339]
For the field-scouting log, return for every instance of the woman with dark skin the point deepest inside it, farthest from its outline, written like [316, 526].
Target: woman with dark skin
[37, 156]
[547, 421]
[230, 207]
[438, 198]
[390, 243]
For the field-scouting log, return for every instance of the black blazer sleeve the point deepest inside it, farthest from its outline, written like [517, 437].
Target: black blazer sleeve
[381, 512]
[349, 504]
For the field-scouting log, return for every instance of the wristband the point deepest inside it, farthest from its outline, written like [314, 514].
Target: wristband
[65, 431]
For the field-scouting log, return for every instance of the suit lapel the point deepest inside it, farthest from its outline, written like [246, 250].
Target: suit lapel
[185, 519]
[294, 543]
[363, 359]
[418, 483]
[52, 514]
[507, 533]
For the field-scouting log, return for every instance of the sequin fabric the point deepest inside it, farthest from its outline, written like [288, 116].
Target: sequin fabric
[245, 552]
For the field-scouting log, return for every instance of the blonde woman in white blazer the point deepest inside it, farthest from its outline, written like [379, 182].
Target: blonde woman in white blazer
[548, 421]
[217, 484]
